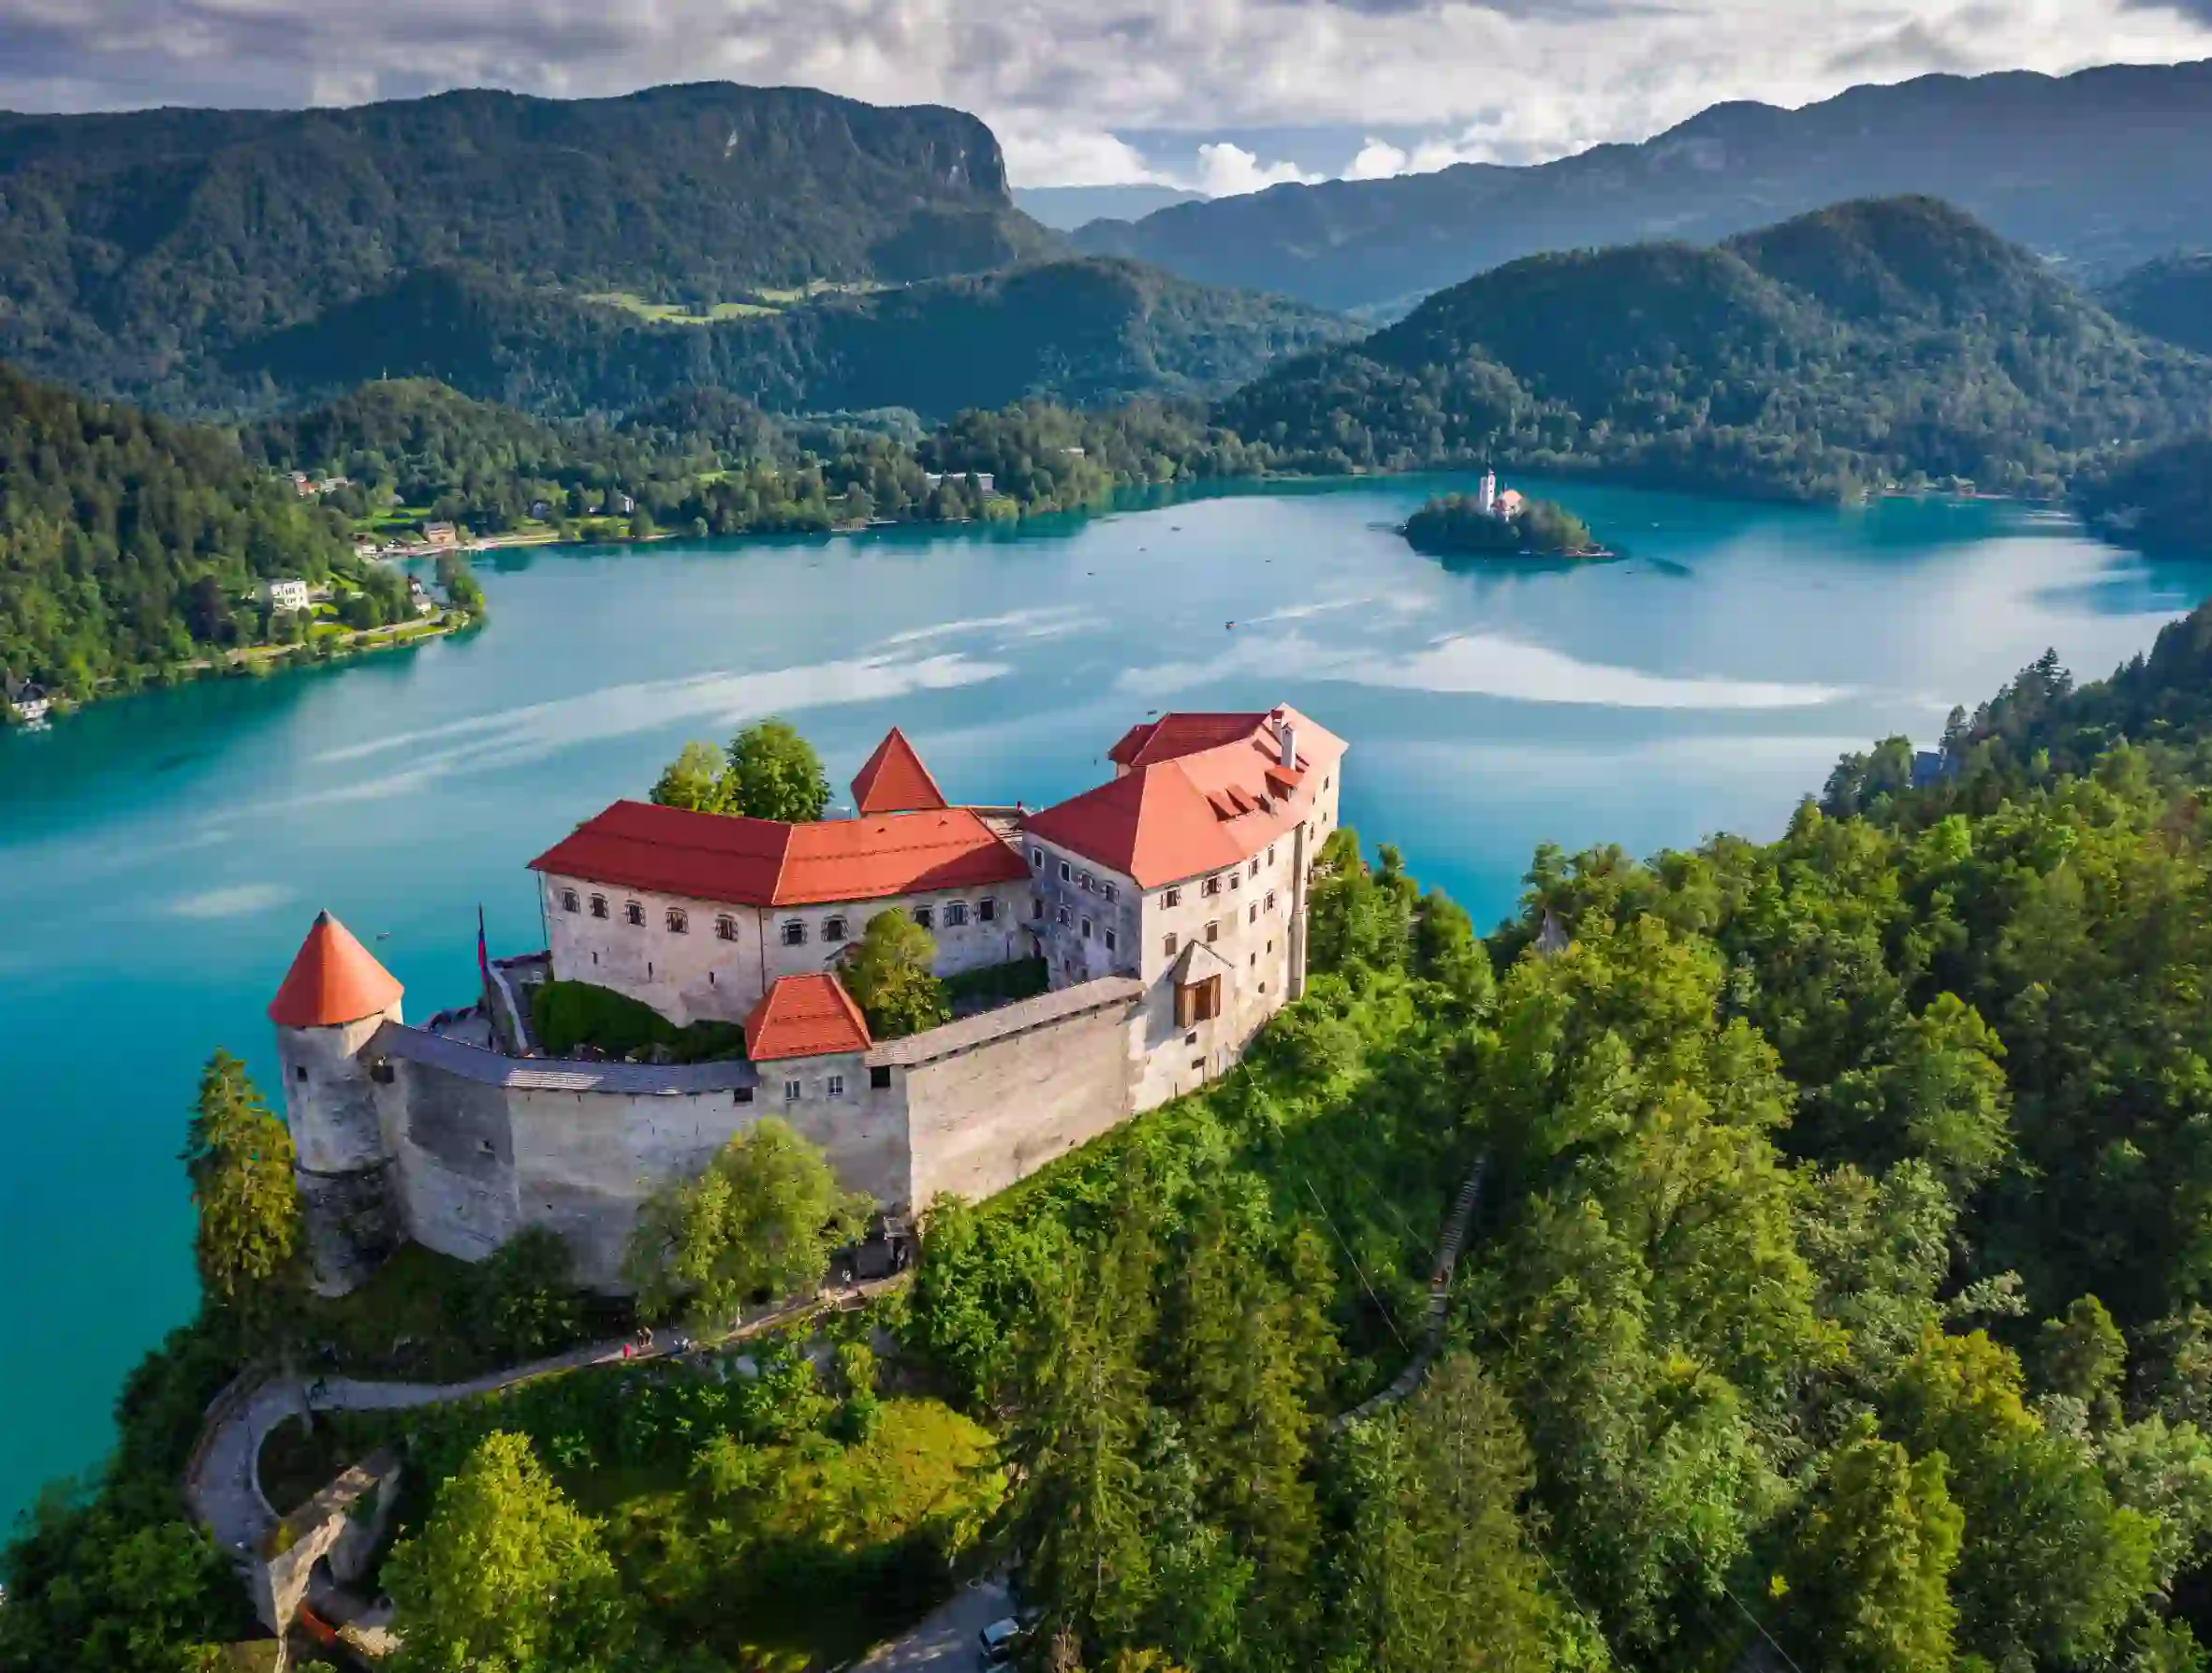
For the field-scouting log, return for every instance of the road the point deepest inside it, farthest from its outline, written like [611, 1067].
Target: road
[945, 1642]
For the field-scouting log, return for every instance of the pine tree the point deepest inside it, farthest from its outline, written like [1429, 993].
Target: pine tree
[249, 1242]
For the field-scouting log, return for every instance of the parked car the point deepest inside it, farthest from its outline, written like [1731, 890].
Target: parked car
[999, 1640]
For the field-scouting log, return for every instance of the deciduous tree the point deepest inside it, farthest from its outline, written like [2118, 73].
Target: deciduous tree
[249, 1245]
[890, 976]
[773, 773]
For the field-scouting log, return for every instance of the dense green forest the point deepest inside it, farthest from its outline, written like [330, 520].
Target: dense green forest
[1876, 342]
[126, 542]
[2160, 498]
[1837, 1291]
[137, 248]
[1082, 331]
[2169, 298]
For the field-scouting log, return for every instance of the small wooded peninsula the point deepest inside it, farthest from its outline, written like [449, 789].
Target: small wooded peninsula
[1458, 525]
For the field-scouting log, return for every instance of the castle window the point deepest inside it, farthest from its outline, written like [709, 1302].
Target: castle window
[1271, 853]
[955, 913]
[1271, 899]
[837, 1086]
[925, 915]
[1037, 859]
[790, 1092]
[571, 900]
[1212, 885]
[1111, 892]
[726, 928]
[381, 1073]
[1168, 946]
[635, 911]
[987, 910]
[1252, 916]
[1197, 1001]
[1255, 865]
[299, 1072]
[794, 932]
[1037, 905]
[833, 928]
[678, 922]
[1086, 929]
[1213, 930]
[598, 905]
[742, 1095]
[1066, 871]
[1324, 781]
[1062, 916]
[879, 1077]
[1173, 897]
[1109, 941]
[1235, 879]
[1087, 882]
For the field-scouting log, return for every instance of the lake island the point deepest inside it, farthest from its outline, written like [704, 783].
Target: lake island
[1494, 524]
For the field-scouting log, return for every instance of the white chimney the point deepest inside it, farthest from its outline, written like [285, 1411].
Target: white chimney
[1289, 735]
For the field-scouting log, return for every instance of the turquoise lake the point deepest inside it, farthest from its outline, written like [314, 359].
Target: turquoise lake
[161, 857]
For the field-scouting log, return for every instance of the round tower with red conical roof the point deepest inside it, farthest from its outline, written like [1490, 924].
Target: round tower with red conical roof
[333, 999]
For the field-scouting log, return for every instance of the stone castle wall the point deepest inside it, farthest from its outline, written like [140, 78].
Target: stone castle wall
[480, 1145]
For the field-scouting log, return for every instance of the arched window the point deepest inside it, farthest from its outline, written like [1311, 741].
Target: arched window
[570, 901]
[598, 905]
[678, 922]
[794, 932]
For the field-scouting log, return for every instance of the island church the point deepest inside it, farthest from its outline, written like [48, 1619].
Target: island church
[1168, 905]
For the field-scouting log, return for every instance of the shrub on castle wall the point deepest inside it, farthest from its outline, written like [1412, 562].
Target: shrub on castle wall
[571, 1016]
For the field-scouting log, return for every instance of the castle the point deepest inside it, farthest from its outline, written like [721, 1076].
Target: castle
[1168, 905]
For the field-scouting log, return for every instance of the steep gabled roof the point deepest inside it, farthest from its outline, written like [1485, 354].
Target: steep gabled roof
[334, 979]
[764, 862]
[893, 780]
[804, 1016]
[1153, 824]
[1198, 793]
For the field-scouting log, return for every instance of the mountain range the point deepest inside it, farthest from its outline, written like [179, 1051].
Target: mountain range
[2100, 171]
[1885, 340]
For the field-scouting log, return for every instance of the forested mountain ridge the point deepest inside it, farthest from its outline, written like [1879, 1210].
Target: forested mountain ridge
[2093, 169]
[2169, 298]
[1891, 341]
[130, 244]
[1080, 331]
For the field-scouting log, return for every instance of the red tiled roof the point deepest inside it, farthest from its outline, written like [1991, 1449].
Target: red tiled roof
[1173, 736]
[1201, 792]
[804, 1016]
[333, 979]
[894, 780]
[763, 863]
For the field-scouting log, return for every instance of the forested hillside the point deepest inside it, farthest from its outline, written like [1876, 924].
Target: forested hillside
[2169, 298]
[1895, 341]
[2096, 168]
[133, 246]
[125, 541]
[2160, 498]
[1080, 331]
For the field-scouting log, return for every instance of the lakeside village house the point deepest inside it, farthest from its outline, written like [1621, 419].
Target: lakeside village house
[1168, 905]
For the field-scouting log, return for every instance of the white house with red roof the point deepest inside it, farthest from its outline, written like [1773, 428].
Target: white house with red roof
[1168, 905]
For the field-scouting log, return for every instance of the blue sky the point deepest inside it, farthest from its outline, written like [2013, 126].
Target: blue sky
[1217, 95]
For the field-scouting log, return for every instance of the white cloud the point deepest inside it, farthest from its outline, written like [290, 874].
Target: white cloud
[241, 899]
[1508, 80]
[1226, 170]
[1378, 160]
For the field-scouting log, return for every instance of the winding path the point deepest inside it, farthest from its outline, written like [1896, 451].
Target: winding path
[1439, 1297]
[222, 1482]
